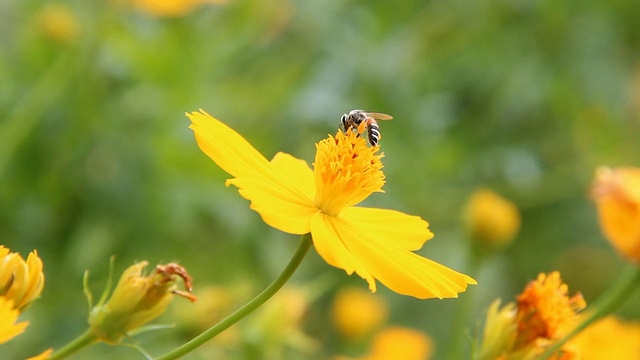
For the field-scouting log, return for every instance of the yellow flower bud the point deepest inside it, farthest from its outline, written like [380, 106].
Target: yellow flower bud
[136, 300]
[616, 193]
[490, 219]
[357, 313]
[21, 281]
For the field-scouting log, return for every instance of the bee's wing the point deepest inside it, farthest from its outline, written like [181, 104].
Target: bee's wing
[379, 116]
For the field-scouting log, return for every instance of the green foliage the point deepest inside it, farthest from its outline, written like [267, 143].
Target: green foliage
[96, 158]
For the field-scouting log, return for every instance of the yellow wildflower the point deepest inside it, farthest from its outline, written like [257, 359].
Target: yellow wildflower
[490, 219]
[8, 317]
[609, 338]
[544, 313]
[136, 300]
[374, 243]
[397, 342]
[58, 23]
[170, 8]
[617, 195]
[357, 313]
[19, 280]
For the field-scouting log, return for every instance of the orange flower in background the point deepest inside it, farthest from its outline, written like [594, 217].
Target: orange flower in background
[545, 310]
[21, 281]
[616, 193]
[289, 196]
[609, 338]
[543, 314]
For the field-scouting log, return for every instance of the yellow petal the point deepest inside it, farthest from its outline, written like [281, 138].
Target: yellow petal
[226, 147]
[278, 207]
[400, 270]
[297, 171]
[8, 317]
[281, 202]
[42, 356]
[410, 235]
[331, 248]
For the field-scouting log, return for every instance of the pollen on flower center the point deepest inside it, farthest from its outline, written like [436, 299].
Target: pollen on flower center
[346, 171]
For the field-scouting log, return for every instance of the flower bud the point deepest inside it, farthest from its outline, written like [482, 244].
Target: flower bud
[490, 219]
[21, 281]
[616, 193]
[137, 299]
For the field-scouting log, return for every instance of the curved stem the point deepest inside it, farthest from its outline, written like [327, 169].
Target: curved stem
[604, 305]
[87, 338]
[266, 294]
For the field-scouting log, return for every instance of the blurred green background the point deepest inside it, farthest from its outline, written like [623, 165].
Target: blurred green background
[96, 158]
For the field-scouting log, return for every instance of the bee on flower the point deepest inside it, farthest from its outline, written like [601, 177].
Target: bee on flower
[292, 197]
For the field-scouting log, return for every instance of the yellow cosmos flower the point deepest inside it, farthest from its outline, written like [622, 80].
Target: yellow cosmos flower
[22, 281]
[289, 196]
[8, 317]
[617, 196]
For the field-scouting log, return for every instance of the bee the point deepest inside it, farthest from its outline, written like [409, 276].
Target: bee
[355, 117]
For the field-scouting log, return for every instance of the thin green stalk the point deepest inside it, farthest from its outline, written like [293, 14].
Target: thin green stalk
[604, 305]
[464, 308]
[266, 294]
[84, 340]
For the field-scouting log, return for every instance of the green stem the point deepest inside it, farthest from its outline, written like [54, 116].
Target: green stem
[84, 340]
[266, 294]
[604, 305]
[464, 307]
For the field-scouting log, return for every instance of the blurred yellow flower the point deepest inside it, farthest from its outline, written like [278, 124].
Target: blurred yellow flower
[171, 8]
[616, 193]
[609, 338]
[374, 243]
[397, 342]
[58, 23]
[544, 313]
[8, 317]
[490, 219]
[357, 313]
[20, 281]
[136, 300]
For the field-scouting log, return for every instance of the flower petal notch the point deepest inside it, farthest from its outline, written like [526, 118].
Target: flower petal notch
[290, 196]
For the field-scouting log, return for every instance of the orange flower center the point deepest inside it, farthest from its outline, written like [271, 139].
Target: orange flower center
[545, 311]
[346, 171]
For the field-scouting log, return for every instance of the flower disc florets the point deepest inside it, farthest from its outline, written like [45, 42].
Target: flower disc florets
[346, 171]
